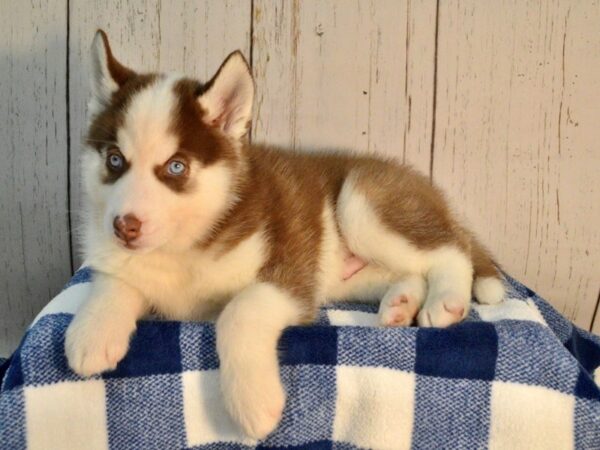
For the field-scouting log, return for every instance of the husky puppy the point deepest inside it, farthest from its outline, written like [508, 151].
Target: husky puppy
[187, 219]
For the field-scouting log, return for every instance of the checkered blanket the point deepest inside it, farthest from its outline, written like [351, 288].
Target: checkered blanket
[517, 375]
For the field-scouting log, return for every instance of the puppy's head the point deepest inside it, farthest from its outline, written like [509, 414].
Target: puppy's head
[163, 152]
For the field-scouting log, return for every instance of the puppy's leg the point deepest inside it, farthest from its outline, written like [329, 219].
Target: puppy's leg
[402, 301]
[450, 280]
[98, 337]
[247, 333]
[395, 219]
[369, 236]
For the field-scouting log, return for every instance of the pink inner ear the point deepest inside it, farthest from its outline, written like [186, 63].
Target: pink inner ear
[224, 106]
[227, 111]
[218, 120]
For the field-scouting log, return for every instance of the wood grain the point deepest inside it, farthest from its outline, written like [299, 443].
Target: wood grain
[191, 37]
[516, 139]
[355, 75]
[33, 184]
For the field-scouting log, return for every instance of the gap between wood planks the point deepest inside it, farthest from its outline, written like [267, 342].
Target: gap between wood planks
[68, 125]
[434, 104]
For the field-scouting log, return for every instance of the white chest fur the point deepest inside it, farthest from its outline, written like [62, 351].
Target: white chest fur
[194, 284]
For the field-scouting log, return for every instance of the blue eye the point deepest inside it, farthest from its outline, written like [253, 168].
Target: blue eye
[176, 168]
[115, 161]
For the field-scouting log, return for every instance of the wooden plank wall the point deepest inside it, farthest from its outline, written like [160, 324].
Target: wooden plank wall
[517, 138]
[34, 228]
[497, 101]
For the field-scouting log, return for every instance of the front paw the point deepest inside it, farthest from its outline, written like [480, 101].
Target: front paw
[94, 348]
[255, 403]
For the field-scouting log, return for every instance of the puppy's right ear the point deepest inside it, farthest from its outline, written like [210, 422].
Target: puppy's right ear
[108, 74]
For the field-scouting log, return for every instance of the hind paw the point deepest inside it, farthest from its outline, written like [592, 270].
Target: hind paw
[443, 312]
[398, 311]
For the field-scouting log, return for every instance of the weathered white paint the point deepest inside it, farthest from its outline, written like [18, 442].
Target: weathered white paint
[517, 139]
[355, 75]
[513, 90]
[34, 240]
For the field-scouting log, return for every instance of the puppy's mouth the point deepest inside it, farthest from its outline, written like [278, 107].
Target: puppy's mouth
[137, 246]
[127, 244]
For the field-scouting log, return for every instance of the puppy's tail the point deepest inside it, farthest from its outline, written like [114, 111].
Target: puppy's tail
[487, 285]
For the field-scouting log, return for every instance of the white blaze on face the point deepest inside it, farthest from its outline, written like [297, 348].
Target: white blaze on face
[146, 141]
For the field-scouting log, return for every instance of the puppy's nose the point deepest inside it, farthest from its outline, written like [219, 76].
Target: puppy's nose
[127, 228]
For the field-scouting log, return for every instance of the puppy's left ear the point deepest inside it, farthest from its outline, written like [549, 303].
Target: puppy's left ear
[227, 98]
[108, 74]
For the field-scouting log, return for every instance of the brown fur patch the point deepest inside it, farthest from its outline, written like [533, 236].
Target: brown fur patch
[118, 71]
[196, 139]
[409, 205]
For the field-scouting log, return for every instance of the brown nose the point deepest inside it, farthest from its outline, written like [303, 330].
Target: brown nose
[127, 228]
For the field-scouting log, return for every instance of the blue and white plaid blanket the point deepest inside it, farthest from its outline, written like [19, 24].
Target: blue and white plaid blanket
[516, 375]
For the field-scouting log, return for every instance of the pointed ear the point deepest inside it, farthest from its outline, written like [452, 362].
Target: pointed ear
[108, 74]
[227, 98]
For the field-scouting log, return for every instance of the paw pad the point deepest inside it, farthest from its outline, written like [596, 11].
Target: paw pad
[397, 312]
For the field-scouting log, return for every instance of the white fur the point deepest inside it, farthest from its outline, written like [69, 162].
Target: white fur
[331, 258]
[228, 102]
[247, 333]
[488, 290]
[368, 237]
[369, 283]
[193, 284]
[450, 279]
[145, 134]
[98, 337]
